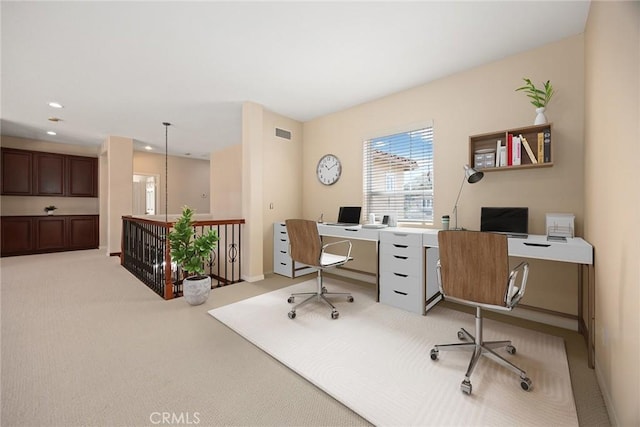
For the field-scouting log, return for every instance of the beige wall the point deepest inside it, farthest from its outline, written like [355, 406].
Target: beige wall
[34, 205]
[612, 204]
[282, 187]
[119, 154]
[188, 180]
[476, 101]
[226, 183]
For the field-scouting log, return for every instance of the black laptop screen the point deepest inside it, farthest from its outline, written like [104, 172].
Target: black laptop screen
[506, 220]
[349, 214]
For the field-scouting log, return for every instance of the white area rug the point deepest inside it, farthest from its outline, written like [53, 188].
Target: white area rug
[375, 360]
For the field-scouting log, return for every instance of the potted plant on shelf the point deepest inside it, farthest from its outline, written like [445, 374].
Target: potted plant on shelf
[191, 250]
[49, 209]
[538, 97]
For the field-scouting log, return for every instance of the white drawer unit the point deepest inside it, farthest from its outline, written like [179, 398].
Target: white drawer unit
[401, 267]
[282, 262]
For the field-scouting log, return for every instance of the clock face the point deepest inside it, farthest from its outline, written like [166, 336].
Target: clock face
[329, 169]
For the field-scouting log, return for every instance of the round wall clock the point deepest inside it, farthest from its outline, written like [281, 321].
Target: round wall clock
[329, 169]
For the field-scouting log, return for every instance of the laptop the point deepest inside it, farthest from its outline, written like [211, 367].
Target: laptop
[514, 222]
[348, 215]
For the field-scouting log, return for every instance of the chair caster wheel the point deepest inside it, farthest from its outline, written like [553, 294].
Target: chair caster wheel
[466, 387]
[290, 300]
[525, 383]
[461, 336]
[511, 349]
[292, 315]
[334, 314]
[434, 354]
[349, 298]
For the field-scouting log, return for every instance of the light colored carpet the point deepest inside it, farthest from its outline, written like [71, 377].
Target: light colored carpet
[375, 360]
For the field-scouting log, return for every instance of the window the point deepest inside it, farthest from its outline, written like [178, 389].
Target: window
[398, 176]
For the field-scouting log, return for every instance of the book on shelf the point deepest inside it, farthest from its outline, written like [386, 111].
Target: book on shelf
[547, 145]
[509, 149]
[516, 151]
[528, 150]
[540, 147]
[498, 149]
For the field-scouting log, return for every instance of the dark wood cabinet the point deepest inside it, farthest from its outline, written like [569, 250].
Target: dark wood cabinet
[17, 235]
[33, 173]
[48, 174]
[23, 235]
[83, 232]
[51, 233]
[17, 170]
[82, 176]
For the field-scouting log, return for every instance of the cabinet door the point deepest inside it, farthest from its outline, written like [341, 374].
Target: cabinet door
[82, 176]
[50, 233]
[48, 174]
[16, 172]
[17, 236]
[83, 232]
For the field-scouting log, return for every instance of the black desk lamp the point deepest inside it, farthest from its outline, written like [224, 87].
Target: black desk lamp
[471, 176]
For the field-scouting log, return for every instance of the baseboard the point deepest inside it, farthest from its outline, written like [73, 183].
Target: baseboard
[543, 317]
[352, 274]
[253, 278]
[606, 395]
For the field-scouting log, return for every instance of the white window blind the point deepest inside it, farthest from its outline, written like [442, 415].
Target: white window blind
[398, 176]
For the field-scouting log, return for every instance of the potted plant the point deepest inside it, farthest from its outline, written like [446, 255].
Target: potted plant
[538, 97]
[49, 209]
[191, 250]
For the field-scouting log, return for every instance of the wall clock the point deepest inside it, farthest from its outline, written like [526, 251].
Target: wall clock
[329, 169]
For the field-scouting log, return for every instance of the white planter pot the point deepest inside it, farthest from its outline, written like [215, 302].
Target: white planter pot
[540, 117]
[195, 289]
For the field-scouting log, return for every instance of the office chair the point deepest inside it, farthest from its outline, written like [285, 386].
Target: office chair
[473, 269]
[306, 247]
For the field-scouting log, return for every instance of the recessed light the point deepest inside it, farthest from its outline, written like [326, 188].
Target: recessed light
[187, 154]
[54, 119]
[55, 105]
[148, 147]
[50, 132]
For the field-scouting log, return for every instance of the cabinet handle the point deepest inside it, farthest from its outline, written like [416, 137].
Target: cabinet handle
[401, 246]
[401, 293]
[283, 252]
[400, 257]
[283, 240]
[401, 275]
[283, 263]
[351, 229]
[283, 232]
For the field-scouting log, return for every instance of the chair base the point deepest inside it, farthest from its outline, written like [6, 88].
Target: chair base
[481, 348]
[321, 295]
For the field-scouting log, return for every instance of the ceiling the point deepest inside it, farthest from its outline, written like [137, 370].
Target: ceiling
[123, 68]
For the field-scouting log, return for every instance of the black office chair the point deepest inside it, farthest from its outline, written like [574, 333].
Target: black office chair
[474, 270]
[306, 247]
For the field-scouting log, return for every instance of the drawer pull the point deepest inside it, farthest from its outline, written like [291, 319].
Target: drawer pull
[400, 246]
[400, 257]
[401, 275]
[401, 293]
[283, 263]
[542, 245]
[400, 234]
[283, 232]
[283, 240]
[351, 229]
[283, 252]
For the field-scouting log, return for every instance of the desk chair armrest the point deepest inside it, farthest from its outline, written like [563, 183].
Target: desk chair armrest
[515, 289]
[340, 242]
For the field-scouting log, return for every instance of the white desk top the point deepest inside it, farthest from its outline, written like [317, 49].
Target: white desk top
[575, 250]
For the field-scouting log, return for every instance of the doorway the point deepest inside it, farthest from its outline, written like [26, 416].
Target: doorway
[145, 194]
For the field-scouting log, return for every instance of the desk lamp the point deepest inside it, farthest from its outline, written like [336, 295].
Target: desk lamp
[471, 176]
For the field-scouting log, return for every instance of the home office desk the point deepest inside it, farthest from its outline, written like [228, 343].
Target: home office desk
[574, 250]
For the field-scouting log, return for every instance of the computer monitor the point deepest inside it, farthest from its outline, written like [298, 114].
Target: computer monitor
[505, 220]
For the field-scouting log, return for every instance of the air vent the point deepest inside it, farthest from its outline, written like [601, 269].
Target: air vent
[283, 133]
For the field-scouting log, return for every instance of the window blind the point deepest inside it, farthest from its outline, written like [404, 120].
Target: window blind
[398, 176]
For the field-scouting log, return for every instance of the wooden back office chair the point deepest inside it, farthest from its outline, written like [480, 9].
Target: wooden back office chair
[474, 270]
[306, 247]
